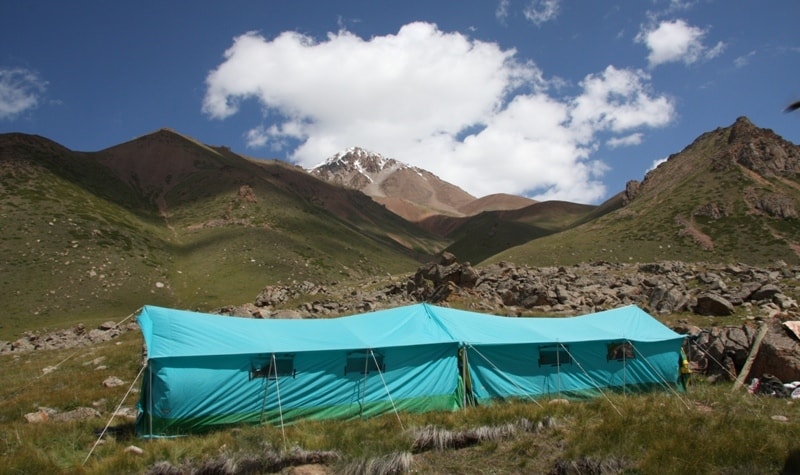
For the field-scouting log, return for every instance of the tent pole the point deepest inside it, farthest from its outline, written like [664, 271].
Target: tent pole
[463, 352]
[750, 357]
[150, 396]
[625, 369]
[278, 393]
[558, 370]
[386, 387]
[264, 399]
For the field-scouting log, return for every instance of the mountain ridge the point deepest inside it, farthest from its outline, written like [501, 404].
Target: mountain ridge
[409, 191]
[165, 219]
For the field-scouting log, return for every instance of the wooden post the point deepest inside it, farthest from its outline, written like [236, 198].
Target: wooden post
[751, 357]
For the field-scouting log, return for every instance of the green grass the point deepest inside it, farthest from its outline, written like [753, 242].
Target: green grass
[77, 254]
[646, 230]
[709, 429]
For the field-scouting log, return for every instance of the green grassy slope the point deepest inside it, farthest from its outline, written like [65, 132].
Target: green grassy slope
[700, 205]
[482, 236]
[66, 250]
[85, 241]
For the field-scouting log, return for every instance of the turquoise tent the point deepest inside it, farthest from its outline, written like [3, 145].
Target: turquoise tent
[623, 349]
[205, 370]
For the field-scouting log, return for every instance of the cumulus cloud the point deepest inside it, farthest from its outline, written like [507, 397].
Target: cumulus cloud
[619, 100]
[467, 110]
[20, 91]
[677, 41]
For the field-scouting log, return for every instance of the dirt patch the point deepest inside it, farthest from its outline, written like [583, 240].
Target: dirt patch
[701, 238]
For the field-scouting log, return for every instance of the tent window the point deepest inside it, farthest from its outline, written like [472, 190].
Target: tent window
[267, 367]
[358, 361]
[620, 351]
[554, 355]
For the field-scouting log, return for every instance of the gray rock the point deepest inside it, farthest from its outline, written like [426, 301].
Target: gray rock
[713, 305]
[765, 292]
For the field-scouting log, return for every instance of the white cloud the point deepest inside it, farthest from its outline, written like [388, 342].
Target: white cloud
[541, 11]
[464, 109]
[618, 100]
[502, 10]
[627, 141]
[677, 41]
[744, 59]
[20, 91]
[657, 162]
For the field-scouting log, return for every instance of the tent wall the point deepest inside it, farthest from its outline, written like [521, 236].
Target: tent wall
[206, 371]
[192, 394]
[580, 369]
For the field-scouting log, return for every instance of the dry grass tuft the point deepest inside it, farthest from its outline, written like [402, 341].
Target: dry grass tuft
[435, 438]
[394, 463]
[269, 461]
[584, 465]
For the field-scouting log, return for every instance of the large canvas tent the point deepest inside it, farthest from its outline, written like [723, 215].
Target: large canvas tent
[205, 370]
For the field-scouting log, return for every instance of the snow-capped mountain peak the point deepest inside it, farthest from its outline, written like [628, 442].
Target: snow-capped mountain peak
[357, 159]
[397, 185]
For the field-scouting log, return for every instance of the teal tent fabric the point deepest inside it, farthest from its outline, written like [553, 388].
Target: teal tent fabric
[205, 371]
[623, 348]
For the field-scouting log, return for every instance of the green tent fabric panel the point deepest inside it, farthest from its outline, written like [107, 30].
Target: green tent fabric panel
[164, 428]
[175, 390]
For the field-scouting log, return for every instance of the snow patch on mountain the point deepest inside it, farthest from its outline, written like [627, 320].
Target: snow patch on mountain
[410, 191]
[361, 169]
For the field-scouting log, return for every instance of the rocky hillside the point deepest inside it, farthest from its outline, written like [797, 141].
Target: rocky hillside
[730, 196]
[768, 167]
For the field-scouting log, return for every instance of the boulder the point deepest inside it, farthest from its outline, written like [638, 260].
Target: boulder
[713, 305]
[766, 292]
[778, 355]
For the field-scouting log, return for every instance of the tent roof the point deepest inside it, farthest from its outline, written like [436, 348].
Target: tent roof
[171, 333]
[625, 323]
[178, 333]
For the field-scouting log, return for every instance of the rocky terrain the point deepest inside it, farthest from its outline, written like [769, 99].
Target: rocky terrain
[719, 307]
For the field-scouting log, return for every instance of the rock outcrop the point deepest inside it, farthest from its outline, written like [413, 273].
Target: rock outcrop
[660, 288]
[744, 293]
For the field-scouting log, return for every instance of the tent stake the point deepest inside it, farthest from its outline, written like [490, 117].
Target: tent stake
[103, 432]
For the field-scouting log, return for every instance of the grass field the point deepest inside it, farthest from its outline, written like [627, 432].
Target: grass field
[709, 429]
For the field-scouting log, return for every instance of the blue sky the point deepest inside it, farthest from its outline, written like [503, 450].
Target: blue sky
[544, 98]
